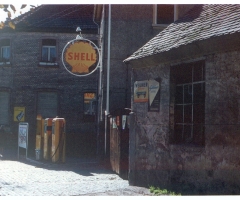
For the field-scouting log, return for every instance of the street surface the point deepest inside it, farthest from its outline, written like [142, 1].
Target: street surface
[28, 177]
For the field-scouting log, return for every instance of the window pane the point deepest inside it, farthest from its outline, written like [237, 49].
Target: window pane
[44, 54]
[188, 114]
[178, 114]
[6, 53]
[182, 74]
[187, 94]
[165, 14]
[179, 95]
[198, 113]
[199, 93]
[52, 54]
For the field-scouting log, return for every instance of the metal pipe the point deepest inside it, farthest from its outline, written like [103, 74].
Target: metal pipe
[108, 75]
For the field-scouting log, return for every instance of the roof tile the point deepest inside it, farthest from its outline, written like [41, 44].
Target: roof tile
[200, 23]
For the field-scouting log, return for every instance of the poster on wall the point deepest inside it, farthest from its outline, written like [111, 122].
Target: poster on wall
[19, 114]
[140, 91]
[23, 135]
[154, 95]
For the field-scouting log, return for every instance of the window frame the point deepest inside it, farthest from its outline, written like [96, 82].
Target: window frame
[182, 109]
[5, 43]
[91, 116]
[162, 26]
[48, 62]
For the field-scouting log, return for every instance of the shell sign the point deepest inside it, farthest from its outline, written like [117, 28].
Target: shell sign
[80, 57]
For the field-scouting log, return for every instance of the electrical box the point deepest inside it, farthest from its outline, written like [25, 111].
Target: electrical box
[47, 138]
[58, 140]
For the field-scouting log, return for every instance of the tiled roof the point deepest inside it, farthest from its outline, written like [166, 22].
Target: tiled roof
[57, 17]
[200, 23]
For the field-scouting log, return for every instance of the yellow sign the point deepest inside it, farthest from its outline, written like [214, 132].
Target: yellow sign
[19, 114]
[80, 56]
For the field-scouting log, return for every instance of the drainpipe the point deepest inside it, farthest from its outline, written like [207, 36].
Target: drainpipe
[108, 76]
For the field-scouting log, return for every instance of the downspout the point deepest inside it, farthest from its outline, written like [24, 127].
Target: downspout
[100, 89]
[108, 76]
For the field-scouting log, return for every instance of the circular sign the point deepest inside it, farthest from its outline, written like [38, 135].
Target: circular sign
[80, 57]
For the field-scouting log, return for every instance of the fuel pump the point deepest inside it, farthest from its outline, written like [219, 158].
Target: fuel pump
[47, 138]
[58, 139]
[39, 137]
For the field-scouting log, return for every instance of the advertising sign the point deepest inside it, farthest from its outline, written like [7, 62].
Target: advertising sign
[154, 95]
[141, 91]
[80, 57]
[23, 135]
[19, 114]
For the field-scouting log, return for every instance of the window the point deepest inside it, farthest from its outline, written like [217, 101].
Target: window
[89, 106]
[48, 52]
[5, 51]
[188, 98]
[4, 107]
[47, 104]
[164, 14]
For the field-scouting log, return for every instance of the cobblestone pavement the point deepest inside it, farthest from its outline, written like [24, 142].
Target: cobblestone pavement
[73, 178]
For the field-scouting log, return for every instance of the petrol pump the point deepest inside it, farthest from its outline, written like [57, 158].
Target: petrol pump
[58, 139]
[47, 138]
[39, 137]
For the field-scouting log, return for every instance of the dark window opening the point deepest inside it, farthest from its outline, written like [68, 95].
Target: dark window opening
[188, 97]
[165, 14]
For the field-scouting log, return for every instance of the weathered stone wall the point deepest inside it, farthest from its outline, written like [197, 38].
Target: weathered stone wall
[196, 169]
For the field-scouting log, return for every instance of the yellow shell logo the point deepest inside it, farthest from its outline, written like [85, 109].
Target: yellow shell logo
[80, 56]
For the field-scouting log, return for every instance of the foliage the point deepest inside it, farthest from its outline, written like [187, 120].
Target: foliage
[9, 8]
[157, 191]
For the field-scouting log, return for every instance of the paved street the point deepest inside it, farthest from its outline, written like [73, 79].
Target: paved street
[75, 177]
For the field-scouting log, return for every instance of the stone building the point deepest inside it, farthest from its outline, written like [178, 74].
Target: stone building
[34, 80]
[185, 135]
[131, 27]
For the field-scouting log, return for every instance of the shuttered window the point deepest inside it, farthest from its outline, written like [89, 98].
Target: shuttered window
[47, 104]
[4, 108]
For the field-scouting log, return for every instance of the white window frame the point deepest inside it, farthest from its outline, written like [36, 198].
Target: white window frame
[48, 52]
[162, 26]
[48, 62]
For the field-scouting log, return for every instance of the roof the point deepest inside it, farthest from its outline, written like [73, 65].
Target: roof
[57, 18]
[200, 23]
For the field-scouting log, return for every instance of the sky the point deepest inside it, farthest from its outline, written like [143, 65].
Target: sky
[4, 15]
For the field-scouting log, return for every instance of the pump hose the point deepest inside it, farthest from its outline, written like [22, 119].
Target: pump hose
[58, 147]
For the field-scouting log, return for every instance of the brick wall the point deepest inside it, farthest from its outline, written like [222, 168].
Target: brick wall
[25, 78]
